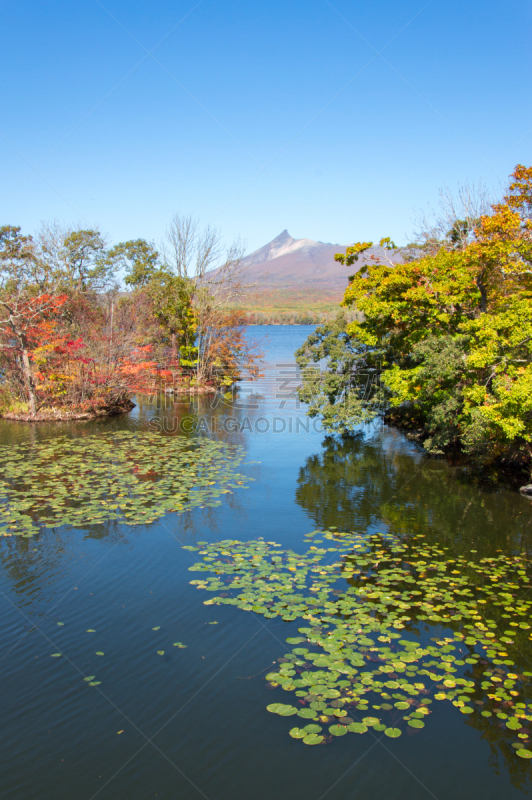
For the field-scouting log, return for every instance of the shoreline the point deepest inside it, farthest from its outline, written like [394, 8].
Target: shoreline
[503, 472]
[60, 415]
[98, 412]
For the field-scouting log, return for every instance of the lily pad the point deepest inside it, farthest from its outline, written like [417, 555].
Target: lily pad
[134, 477]
[313, 738]
[361, 649]
[393, 733]
[285, 710]
[297, 733]
[307, 713]
[338, 730]
[358, 727]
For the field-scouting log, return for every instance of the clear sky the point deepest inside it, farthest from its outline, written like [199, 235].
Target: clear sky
[336, 120]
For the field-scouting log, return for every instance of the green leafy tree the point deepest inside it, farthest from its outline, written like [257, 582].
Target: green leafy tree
[75, 261]
[171, 299]
[452, 332]
[138, 258]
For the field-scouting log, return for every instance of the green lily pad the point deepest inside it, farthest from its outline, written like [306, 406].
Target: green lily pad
[307, 713]
[285, 710]
[357, 727]
[111, 476]
[361, 640]
[338, 730]
[313, 738]
[297, 733]
[393, 733]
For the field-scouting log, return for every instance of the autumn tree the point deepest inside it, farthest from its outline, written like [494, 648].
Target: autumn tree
[24, 306]
[192, 284]
[64, 341]
[70, 339]
[449, 330]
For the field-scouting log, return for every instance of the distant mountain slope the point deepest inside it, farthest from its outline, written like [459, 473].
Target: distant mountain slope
[298, 263]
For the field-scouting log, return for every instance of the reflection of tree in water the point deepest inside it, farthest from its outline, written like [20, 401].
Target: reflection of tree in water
[493, 728]
[193, 415]
[32, 565]
[388, 484]
[502, 755]
[346, 481]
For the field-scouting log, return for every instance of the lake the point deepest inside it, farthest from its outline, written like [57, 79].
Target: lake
[191, 722]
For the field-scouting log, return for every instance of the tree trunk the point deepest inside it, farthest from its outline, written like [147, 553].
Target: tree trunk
[483, 295]
[173, 347]
[28, 378]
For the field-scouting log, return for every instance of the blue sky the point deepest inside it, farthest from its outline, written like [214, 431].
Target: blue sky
[336, 120]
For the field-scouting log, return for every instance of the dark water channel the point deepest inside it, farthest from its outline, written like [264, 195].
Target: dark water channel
[193, 722]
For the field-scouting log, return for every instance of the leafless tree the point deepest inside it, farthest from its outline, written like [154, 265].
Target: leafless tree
[188, 250]
[216, 282]
[454, 220]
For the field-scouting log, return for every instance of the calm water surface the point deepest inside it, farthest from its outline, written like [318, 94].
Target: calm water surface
[193, 722]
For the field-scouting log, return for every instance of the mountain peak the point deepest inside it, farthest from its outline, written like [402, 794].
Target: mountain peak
[284, 236]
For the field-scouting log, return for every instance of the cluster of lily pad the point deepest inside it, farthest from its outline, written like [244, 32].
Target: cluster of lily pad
[125, 476]
[366, 660]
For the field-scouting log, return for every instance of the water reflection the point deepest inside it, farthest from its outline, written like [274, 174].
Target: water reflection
[386, 483]
[383, 483]
[130, 578]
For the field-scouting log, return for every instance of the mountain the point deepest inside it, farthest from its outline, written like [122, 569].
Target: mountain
[286, 262]
[295, 281]
[300, 264]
